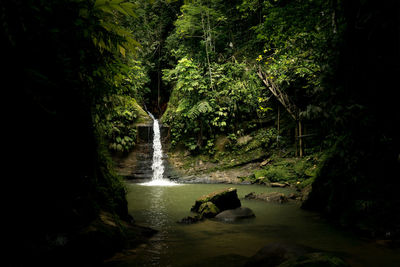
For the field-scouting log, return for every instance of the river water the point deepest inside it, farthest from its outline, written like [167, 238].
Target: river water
[160, 203]
[175, 244]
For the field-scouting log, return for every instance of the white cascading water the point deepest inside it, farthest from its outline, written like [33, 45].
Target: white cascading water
[157, 165]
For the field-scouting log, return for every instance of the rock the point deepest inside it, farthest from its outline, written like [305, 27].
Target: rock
[190, 219]
[251, 195]
[269, 197]
[103, 237]
[231, 260]
[221, 142]
[315, 259]
[244, 139]
[265, 162]
[293, 196]
[276, 253]
[261, 180]
[223, 199]
[279, 185]
[235, 214]
[208, 209]
[284, 254]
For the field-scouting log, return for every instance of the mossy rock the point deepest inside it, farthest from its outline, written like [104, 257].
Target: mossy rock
[143, 117]
[223, 199]
[208, 210]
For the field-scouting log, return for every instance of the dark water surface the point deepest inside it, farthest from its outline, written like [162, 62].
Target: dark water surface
[185, 245]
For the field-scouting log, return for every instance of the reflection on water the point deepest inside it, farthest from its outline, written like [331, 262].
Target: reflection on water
[156, 217]
[157, 212]
[183, 245]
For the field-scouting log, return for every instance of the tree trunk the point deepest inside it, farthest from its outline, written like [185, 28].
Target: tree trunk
[300, 140]
[296, 138]
[278, 135]
[206, 37]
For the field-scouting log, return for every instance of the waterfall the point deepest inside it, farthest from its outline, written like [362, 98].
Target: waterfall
[157, 165]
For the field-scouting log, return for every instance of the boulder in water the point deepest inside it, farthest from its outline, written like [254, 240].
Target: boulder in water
[269, 197]
[190, 219]
[276, 253]
[224, 199]
[208, 209]
[315, 259]
[285, 254]
[235, 214]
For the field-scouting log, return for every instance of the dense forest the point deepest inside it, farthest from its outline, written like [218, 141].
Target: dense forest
[310, 80]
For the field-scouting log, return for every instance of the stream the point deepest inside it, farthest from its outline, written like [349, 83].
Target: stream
[160, 204]
[160, 207]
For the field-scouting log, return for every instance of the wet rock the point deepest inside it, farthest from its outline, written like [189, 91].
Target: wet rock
[223, 199]
[190, 219]
[285, 254]
[276, 253]
[261, 180]
[294, 196]
[235, 214]
[315, 259]
[208, 209]
[231, 260]
[269, 197]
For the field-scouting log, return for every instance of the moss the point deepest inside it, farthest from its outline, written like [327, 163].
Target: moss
[279, 173]
[223, 199]
[291, 169]
[208, 210]
[143, 117]
[260, 174]
[305, 183]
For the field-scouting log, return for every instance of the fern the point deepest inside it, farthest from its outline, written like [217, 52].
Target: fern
[183, 105]
[199, 108]
[119, 39]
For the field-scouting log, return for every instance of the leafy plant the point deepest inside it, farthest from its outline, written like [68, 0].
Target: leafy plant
[117, 125]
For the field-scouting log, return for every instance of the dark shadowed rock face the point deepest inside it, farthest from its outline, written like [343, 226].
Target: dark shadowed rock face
[223, 199]
[235, 214]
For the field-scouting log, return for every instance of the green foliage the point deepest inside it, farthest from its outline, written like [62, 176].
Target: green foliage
[265, 138]
[298, 39]
[117, 123]
[198, 111]
[112, 36]
[278, 174]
